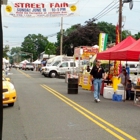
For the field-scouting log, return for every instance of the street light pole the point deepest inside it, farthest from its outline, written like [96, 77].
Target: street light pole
[61, 36]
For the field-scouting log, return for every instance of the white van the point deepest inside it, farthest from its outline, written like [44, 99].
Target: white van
[134, 66]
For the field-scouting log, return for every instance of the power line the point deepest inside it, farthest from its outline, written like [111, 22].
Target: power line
[106, 10]
[109, 10]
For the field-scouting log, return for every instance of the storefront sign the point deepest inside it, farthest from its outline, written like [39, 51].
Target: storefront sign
[86, 51]
[52, 9]
[90, 51]
[85, 80]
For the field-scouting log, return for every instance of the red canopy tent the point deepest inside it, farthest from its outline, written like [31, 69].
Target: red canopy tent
[106, 55]
[130, 53]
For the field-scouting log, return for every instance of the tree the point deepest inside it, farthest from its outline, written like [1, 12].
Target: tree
[15, 50]
[50, 48]
[34, 44]
[137, 36]
[5, 51]
[125, 33]
[109, 29]
[79, 35]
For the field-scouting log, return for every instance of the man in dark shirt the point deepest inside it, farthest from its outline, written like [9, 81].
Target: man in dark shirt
[97, 75]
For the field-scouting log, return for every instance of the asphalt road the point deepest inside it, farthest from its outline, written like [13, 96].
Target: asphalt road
[44, 111]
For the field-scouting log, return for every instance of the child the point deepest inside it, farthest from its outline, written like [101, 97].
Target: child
[128, 89]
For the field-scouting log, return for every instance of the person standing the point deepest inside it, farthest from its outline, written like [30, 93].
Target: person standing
[97, 75]
[124, 77]
[88, 68]
[128, 89]
[127, 69]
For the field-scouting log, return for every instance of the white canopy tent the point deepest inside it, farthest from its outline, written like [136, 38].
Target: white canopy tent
[24, 61]
[37, 62]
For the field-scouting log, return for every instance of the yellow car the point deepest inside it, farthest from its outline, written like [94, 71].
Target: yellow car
[9, 92]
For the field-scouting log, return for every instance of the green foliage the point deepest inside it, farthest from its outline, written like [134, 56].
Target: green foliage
[50, 48]
[34, 44]
[79, 35]
[137, 36]
[125, 33]
[15, 50]
[5, 51]
[109, 29]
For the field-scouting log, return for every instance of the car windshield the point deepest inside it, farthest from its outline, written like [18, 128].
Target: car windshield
[56, 63]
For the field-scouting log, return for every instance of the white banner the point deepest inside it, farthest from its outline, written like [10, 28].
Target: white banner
[52, 9]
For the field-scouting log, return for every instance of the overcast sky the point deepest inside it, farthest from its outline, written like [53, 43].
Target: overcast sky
[18, 28]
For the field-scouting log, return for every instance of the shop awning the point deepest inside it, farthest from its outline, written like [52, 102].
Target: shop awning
[131, 53]
[106, 55]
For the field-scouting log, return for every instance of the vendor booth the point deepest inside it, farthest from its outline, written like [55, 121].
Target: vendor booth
[85, 53]
[107, 55]
[127, 50]
[130, 53]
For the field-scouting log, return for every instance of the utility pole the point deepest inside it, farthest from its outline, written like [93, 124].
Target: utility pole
[120, 14]
[120, 20]
[61, 36]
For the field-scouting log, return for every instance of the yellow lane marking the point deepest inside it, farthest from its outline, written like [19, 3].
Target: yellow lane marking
[105, 122]
[24, 74]
[67, 101]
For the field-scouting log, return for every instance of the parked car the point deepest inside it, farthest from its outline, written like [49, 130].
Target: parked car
[60, 69]
[55, 63]
[29, 66]
[134, 66]
[9, 92]
[20, 65]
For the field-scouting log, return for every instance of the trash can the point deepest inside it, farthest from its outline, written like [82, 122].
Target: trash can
[72, 85]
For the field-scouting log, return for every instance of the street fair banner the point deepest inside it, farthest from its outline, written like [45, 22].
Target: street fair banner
[51, 9]
[102, 41]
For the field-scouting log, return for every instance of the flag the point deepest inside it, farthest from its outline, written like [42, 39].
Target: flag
[102, 41]
[117, 34]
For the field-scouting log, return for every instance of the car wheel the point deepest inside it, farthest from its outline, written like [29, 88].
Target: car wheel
[11, 104]
[53, 74]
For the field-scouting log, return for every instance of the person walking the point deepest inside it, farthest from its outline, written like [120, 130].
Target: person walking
[97, 75]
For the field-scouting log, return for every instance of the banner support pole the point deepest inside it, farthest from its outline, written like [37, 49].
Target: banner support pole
[61, 36]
